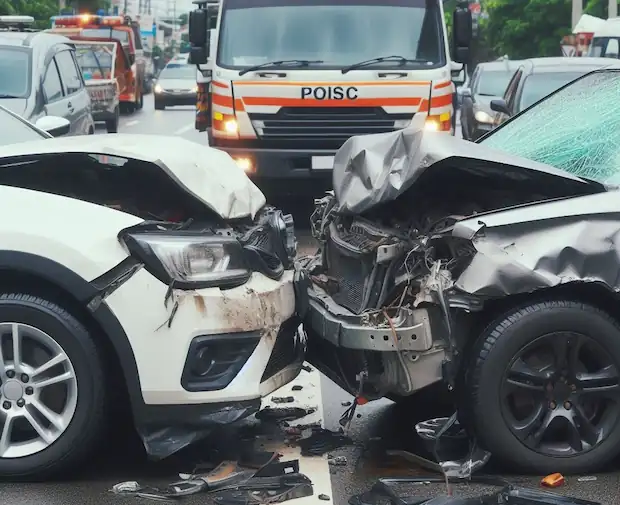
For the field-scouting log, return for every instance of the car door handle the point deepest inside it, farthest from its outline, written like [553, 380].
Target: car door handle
[70, 106]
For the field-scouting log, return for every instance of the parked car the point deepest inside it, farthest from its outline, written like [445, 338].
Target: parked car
[106, 70]
[176, 85]
[493, 266]
[14, 129]
[488, 82]
[41, 77]
[536, 78]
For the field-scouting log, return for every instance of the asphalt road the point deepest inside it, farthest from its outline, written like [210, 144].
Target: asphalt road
[379, 425]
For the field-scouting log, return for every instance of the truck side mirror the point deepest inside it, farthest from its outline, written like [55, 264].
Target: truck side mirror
[462, 34]
[198, 36]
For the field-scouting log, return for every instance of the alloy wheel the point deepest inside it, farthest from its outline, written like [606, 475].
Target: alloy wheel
[560, 394]
[38, 391]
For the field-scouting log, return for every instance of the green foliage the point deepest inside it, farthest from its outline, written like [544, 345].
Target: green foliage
[530, 28]
[183, 19]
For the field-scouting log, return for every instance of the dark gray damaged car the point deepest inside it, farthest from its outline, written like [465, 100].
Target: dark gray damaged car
[493, 267]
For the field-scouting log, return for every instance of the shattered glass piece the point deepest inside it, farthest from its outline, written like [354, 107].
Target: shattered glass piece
[126, 487]
[576, 129]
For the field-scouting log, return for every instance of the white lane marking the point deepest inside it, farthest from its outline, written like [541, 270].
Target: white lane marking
[132, 123]
[316, 468]
[185, 129]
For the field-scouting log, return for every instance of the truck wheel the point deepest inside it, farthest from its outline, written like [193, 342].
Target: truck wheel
[542, 388]
[140, 102]
[112, 124]
[159, 105]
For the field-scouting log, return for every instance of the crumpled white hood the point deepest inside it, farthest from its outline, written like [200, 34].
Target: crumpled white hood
[208, 174]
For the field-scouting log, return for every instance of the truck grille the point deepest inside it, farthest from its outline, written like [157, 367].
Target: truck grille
[317, 123]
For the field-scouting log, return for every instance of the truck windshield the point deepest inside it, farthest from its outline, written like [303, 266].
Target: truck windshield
[601, 47]
[338, 32]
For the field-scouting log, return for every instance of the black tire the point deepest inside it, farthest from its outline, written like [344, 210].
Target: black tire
[75, 445]
[112, 124]
[140, 102]
[159, 104]
[497, 348]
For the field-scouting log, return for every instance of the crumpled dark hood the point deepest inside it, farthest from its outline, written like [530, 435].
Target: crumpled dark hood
[371, 170]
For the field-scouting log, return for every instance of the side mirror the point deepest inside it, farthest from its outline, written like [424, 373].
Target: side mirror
[199, 38]
[54, 125]
[462, 33]
[198, 25]
[500, 106]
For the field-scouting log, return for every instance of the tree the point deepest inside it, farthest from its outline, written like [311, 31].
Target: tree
[530, 28]
[40, 10]
[183, 19]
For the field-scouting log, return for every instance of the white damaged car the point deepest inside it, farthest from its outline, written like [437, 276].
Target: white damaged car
[143, 263]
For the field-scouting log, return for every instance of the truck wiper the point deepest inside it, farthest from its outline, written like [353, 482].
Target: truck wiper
[295, 63]
[399, 59]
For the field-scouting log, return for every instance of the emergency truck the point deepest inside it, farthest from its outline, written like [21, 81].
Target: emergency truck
[292, 80]
[120, 28]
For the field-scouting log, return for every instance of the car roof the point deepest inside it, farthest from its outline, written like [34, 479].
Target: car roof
[494, 66]
[567, 63]
[31, 39]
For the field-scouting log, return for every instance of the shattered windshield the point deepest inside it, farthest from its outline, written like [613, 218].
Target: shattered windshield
[576, 129]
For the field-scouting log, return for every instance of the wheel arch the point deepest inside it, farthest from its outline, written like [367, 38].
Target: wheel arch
[40, 276]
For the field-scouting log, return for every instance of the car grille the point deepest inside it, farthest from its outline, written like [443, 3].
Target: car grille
[318, 123]
[283, 353]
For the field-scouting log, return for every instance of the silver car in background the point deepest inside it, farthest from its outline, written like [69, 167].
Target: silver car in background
[176, 85]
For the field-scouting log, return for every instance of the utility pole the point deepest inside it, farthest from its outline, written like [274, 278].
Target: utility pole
[612, 10]
[125, 7]
[577, 12]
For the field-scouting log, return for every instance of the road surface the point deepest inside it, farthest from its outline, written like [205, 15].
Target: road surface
[380, 425]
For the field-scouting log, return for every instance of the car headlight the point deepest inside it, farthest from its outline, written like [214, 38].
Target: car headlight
[483, 117]
[158, 88]
[190, 260]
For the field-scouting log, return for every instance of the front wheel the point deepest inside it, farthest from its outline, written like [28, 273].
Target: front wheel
[112, 124]
[159, 104]
[52, 395]
[542, 389]
[140, 101]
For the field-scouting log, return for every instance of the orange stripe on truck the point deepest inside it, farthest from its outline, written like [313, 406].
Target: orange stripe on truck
[218, 84]
[444, 84]
[222, 100]
[360, 102]
[332, 83]
[441, 101]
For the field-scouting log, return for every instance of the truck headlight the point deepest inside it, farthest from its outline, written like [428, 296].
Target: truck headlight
[190, 260]
[483, 117]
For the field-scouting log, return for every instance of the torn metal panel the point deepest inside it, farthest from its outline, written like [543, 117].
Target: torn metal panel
[525, 249]
[208, 175]
[373, 169]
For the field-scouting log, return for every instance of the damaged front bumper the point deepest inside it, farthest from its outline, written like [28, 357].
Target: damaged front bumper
[400, 357]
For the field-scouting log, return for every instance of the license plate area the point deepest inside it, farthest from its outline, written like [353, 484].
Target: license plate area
[322, 162]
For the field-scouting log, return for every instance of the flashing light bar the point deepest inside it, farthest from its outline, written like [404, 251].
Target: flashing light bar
[89, 19]
[16, 20]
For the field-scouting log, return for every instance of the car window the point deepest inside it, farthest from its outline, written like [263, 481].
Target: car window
[493, 82]
[68, 72]
[537, 86]
[576, 129]
[52, 86]
[13, 130]
[16, 72]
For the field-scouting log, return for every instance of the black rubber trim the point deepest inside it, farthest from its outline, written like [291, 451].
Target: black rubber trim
[245, 342]
[113, 279]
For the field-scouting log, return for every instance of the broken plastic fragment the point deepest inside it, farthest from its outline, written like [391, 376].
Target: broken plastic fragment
[321, 442]
[282, 414]
[126, 487]
[553, 480]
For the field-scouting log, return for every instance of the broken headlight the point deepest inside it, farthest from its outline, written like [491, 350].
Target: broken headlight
[191, 260]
